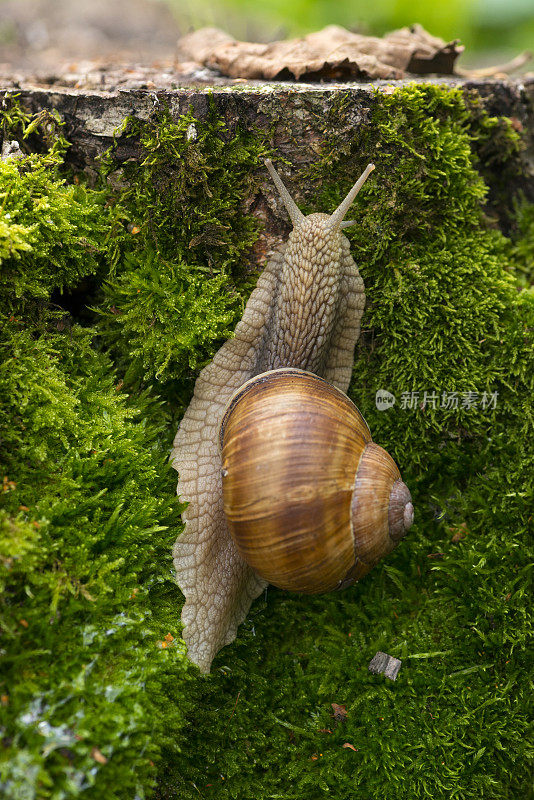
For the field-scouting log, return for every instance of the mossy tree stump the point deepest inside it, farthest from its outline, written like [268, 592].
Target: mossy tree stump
[116, 287]
[297, 119]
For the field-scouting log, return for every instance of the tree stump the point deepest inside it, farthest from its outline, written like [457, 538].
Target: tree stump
[298, 117]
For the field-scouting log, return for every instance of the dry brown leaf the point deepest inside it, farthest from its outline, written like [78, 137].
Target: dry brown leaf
[459, 533]
[340, 712]
[333, 53]
[351, 746]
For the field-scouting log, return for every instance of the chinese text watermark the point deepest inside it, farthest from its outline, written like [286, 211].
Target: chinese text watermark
[430, 398]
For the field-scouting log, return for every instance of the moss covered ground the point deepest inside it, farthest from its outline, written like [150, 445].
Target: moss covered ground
[112, 299]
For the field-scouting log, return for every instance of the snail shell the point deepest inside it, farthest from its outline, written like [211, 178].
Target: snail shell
[312, 503]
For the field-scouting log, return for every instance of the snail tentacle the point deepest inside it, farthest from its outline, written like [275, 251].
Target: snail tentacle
[293, 210]
[336, 219]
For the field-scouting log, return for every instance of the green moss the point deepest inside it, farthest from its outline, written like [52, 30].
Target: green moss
[194, 173]
[177, 285]
[162, 318]
[88, 517]
[51, 233]
[522, 247]
[89, 512]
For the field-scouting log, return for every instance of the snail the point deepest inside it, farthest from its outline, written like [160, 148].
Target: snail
[312, 503]
[304, 314]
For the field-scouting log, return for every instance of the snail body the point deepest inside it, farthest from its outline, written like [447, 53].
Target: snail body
[304, 314]
[312, 503]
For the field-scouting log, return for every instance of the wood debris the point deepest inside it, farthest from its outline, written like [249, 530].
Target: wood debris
[388, 665]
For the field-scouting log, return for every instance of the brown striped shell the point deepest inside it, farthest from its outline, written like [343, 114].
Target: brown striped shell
[312, 503]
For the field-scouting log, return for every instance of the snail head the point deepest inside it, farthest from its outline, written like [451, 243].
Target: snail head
[314, 243]
[334, 221]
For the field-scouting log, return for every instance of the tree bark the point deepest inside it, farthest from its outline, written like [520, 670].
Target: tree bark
[299, 117]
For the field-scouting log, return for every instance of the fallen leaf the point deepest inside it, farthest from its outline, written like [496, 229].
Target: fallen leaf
[340, 712]
[459, 533]
[333, 53]
[351, 746]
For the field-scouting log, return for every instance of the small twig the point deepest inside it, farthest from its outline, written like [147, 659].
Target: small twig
[488, 72]
[233, 712]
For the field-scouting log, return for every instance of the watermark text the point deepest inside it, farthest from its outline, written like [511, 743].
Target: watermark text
[432, 398]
